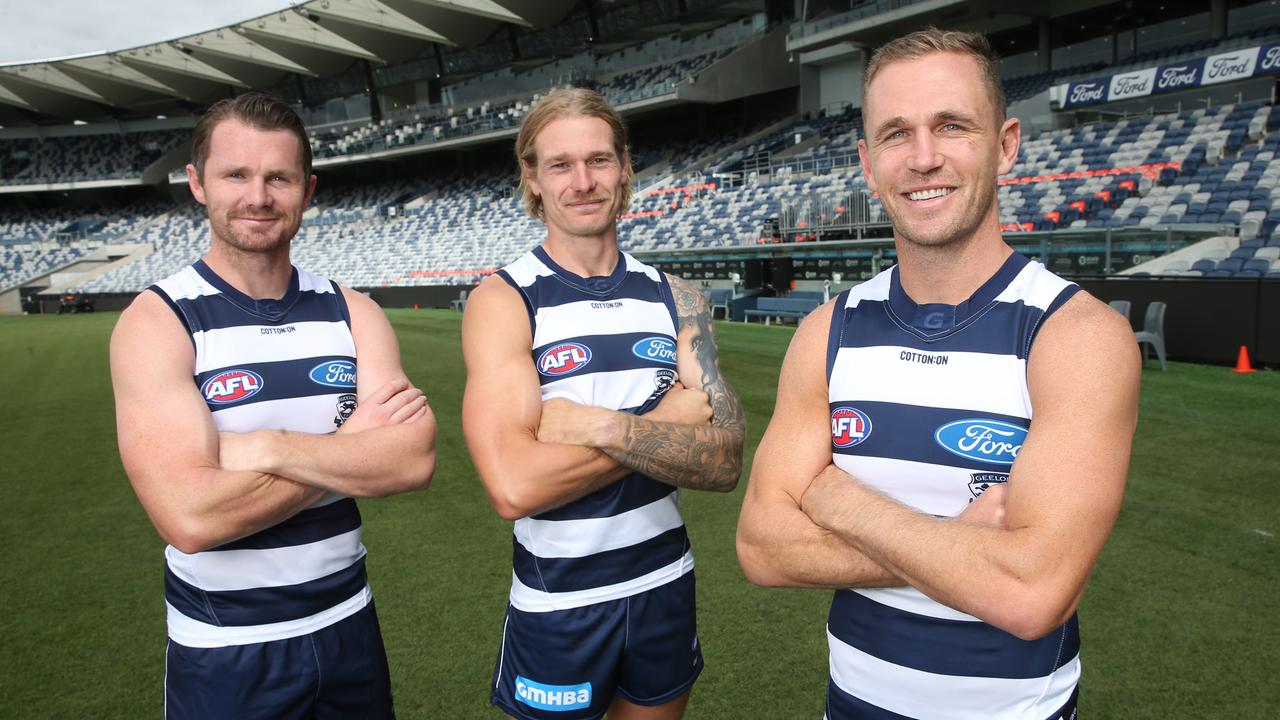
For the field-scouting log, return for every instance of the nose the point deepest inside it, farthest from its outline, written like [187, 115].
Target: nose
[924, 156]
[583, 180]
[256, 194]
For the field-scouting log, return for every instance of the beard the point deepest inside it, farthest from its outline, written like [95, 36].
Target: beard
[963, 223]
[268, 239]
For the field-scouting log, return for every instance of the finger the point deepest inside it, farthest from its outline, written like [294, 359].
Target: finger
[387, 390]
[407, 410]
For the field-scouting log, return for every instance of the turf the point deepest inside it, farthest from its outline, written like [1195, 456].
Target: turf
[1180, 620]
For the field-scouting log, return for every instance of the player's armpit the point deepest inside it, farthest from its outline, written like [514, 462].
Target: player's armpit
[502, 408]
[778, 545]
[193, 504]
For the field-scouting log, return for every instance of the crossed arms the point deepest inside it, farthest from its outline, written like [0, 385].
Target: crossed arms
[533, 456]
[1018, 557]
[202, 489]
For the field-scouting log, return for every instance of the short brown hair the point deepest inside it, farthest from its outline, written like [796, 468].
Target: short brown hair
[562, 103]
[257, 110]
[931, 40]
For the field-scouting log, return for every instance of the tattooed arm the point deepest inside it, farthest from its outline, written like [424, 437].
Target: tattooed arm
[670, 444]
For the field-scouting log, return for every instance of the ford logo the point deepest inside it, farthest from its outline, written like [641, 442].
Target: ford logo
[335, 373]
[988, 441]
[655, 348]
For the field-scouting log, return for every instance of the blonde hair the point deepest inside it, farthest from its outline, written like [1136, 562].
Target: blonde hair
[562, 103]
[931, 40]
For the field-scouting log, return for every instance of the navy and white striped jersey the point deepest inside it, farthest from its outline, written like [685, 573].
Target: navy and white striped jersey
[285, 364]
[608, 342]
[929, 404]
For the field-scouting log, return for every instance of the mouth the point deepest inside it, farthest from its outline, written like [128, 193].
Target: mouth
[929, 194]
[587, 204]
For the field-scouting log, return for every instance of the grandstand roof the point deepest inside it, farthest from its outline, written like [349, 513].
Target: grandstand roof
[315, 38]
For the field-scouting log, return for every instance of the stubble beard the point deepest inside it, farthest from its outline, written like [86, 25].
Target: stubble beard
[247, 242]
[962, 227]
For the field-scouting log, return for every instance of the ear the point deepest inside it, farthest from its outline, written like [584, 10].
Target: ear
[864, 157]
[311, 189]
[531, 178]
[1010, 143]
[193, 182]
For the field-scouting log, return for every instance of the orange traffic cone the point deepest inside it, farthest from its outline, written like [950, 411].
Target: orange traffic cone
[1242, 362]
[415, 306]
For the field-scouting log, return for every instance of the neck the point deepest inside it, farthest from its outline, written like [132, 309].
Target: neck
[261, 276]
[950, 274]
[584, 256]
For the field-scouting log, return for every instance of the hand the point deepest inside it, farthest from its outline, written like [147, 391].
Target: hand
[988, 508]
[398, 401]
[821, 499]
[682, 405]
[564, 422]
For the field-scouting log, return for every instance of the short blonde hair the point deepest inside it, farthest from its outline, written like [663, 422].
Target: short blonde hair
[562, 103]
[931, 40]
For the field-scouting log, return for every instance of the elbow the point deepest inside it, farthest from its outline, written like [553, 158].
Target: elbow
[509, 501]
[1034, 617]
[189, 535]
[756, 566]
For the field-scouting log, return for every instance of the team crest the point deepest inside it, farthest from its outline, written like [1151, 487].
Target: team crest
[849, 426]
[346, 406]
[979, 482]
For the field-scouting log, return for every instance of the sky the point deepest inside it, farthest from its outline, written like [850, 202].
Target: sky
[34, 30]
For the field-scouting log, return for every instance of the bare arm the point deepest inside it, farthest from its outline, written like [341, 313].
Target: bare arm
[387, 446]
[778, 545]
[169, 445]
[1064, 490]
[502, 409]
[686, 453]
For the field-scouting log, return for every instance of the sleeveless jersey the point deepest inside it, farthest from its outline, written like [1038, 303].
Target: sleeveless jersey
[285, 364]
[929, 405]
[608, 342]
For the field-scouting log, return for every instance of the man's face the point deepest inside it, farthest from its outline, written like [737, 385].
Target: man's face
[934, 149]
[252, 186]
[578, 176]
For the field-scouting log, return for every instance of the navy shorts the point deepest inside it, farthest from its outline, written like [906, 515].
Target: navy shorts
[570, 664]
[336, 672]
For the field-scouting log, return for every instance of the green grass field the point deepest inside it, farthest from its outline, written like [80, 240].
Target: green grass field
[1182, 619]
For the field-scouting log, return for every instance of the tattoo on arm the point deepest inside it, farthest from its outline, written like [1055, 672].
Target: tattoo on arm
[699, 457]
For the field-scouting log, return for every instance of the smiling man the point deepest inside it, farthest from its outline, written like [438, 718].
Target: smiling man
[253, 401]
[593, 393]
[951, 438]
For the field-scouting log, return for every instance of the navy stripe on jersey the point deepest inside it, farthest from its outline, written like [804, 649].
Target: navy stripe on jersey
[266, 309]
[876, 328]
[611, 353]
[906, 432]
[935, 321]
[215, 312]
[281, 380]
[947, 647]
[554, 290]
[602, 568]
[843, 706]
[309, 526]
[262, 606]
[631, 492]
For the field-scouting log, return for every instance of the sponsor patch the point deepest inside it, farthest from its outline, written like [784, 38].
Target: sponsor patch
[849, 426]
[231, 386]
[563, 359]
[983, 440]
[335, 373]
[656, 348]
[556, 698]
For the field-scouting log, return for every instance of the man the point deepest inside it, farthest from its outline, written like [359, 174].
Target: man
[593, 392]
[904, 399]
[253, 400]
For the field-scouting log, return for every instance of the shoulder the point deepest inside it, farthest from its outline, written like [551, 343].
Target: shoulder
[1086, 340]
[492, 292]
[359, 303]
[689, 299]
[150, 327]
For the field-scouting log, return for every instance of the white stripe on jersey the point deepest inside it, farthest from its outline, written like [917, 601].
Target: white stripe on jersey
[912, 483]
[193, 633]
[623, 389]
[528, 599]
[526, 269]
[969, 380]
[637, 316]
[579, 538]
[917, 694]
[228, 347]
[634, 265]
[911, 600]
[310, 415]
[221, 570]
[1033, 286]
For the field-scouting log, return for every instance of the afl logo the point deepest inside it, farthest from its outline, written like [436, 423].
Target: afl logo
[656, 348]
[849, 426]
[231, 386]
[563, 359]
[988, 441]
[335, 373]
